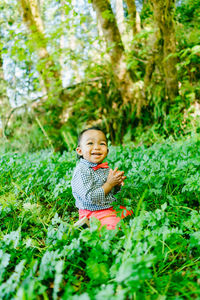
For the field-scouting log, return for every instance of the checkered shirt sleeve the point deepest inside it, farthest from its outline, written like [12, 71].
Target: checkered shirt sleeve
[87, 187]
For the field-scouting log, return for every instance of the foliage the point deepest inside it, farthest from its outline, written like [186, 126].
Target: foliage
[188, 13]
[78, 53]
[155, 254]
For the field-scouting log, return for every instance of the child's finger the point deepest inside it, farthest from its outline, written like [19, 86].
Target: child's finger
[120, 173]
[122, 180]
[115, 170]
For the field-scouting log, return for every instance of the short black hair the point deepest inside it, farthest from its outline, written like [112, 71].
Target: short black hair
[87, 129]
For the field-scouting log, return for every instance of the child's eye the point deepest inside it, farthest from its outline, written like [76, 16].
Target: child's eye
[89, 143]
[103, 144]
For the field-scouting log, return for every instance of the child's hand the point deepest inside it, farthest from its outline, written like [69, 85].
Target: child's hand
[115, 177]
[123, 178]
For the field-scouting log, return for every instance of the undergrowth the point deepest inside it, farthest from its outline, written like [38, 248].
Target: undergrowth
[154, 255]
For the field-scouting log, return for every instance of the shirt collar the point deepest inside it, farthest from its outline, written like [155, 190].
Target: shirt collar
[88, 163]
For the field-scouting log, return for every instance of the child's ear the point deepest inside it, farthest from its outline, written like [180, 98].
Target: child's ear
[79, 151]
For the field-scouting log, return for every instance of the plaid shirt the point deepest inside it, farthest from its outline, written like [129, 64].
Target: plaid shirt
[87, 187]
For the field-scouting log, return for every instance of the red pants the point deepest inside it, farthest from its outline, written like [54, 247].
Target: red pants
[107, 216]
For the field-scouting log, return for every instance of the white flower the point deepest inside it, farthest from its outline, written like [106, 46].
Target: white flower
[29, 206]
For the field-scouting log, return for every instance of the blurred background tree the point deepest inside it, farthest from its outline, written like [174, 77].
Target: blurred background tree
[131, 67]
[4, 100]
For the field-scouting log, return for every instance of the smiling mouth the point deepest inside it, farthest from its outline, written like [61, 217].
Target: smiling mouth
[96, 154]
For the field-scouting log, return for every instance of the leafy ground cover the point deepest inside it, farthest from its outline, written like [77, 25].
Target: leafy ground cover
[154, 255]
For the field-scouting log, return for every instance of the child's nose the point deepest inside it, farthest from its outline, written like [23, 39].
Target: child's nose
[96, 146]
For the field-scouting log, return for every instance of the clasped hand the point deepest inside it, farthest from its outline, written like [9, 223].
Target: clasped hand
[116, 177]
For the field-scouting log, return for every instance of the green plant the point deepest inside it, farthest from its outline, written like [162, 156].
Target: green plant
[154, 254]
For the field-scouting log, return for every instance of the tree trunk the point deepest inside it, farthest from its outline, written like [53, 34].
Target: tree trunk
[138, 22]
[162, 57]
[62, 43]
[48, 69]
[114, 42]
[120, 16]
[50, 72]
[5, 106]
[133, 15]
[72, 47]
[125, 32]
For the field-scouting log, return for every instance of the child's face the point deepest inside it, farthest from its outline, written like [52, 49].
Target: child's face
[93, 146]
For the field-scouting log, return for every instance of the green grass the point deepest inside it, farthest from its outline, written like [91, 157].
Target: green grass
[155, 255]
